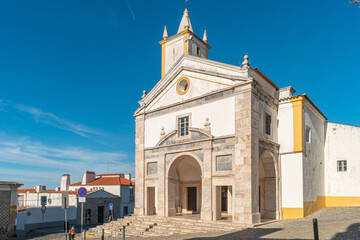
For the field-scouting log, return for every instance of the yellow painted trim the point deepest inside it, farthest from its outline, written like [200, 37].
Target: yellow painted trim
[178, 83]
[185, 45]
[329, 201]
[342, 201]
[163, 95]
[187, 76]
[174, 42]
[208, 80]
[292, 213]
[162, 60]
[311, 207]
[298, 123]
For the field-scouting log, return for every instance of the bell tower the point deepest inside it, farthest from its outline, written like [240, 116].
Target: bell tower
[184, 42]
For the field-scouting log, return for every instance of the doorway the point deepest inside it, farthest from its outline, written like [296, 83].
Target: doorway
[151, 208]
[100, 214]
[184, 187]
[88, 216]
[267, 188]
[191, 199]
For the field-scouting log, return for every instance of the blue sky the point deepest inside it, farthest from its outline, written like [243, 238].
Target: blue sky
[71, 72]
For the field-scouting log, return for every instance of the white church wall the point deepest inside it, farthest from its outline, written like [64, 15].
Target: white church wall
[342, 143]
[173, 51]
[285, 128]
[220, 113]
[313, 173]
[292, 180]
[200, 84]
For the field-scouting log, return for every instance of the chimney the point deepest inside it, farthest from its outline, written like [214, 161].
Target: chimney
[286, 92]
[57, 189]
[128, 176]
[40, 188]
[65, 181]
[88, 176]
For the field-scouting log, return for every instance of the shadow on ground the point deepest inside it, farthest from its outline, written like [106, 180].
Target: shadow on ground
[352, 232]
[250, 233]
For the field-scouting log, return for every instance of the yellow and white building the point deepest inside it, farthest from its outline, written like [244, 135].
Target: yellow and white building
[224, 141]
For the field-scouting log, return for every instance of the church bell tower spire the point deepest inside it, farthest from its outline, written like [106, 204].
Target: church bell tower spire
[183, 42]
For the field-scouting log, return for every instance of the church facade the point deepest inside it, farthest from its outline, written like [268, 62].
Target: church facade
[224, 141]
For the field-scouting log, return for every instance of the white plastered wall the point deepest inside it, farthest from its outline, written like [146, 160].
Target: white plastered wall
[342, 143]
[175, 46]
[220, 113]
[313, 166]
[291, 163]
[200, 84]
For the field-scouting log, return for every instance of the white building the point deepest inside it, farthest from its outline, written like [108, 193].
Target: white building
[225, 141]
[117, 184]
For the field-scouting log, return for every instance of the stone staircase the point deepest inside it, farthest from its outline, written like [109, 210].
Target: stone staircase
[150, 226]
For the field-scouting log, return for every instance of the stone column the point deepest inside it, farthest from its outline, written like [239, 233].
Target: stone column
[206, 203]
[161, 185]
[246, 187]
[139, 165]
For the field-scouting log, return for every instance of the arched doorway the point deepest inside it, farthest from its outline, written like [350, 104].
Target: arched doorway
[268, 187]
[184, 186]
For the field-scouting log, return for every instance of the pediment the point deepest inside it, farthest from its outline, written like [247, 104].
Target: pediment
[195, 134]
[205, 76]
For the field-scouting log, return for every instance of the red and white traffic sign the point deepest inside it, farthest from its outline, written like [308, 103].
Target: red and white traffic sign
[82, 192]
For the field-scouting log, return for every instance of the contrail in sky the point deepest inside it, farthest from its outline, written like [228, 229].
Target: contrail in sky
[130, 9]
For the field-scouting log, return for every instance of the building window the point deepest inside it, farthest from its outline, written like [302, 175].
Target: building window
[198, 51]
[132, 195]
[224, 163]
[152, 168]
[267, 124]
[308, 134]
[126, 211]
[341, 166]
[183, 86]
[183, 126]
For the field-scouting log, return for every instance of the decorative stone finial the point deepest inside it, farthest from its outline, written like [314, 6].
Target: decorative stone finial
[207, 125]
[246, 63]
[205, 37]
[162, 133]
[144, 94]
[165, 35]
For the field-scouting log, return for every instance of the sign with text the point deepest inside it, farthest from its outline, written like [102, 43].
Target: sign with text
[43, 200]
[82, 199]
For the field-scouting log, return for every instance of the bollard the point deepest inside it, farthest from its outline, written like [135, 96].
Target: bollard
[123, 233]
[315, 227]
[84, 235]
[102, 234]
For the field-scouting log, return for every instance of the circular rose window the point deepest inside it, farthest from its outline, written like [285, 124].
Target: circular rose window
[183, 86]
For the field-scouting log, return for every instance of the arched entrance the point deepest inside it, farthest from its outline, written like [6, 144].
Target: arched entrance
[184, 186]
[268, 187]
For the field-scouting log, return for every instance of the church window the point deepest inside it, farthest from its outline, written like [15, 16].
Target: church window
[224, 163]
[341, 166]
[183, 86]
[267, 124]
[198, 51]
[308, 134]
[152, 168]
[183, 126]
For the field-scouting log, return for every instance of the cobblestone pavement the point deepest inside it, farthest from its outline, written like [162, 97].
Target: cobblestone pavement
[334, 223]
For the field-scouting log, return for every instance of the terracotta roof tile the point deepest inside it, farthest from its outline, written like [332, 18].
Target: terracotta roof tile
[266, 78]
[106, 181]
[25, 190]
[10, 183]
